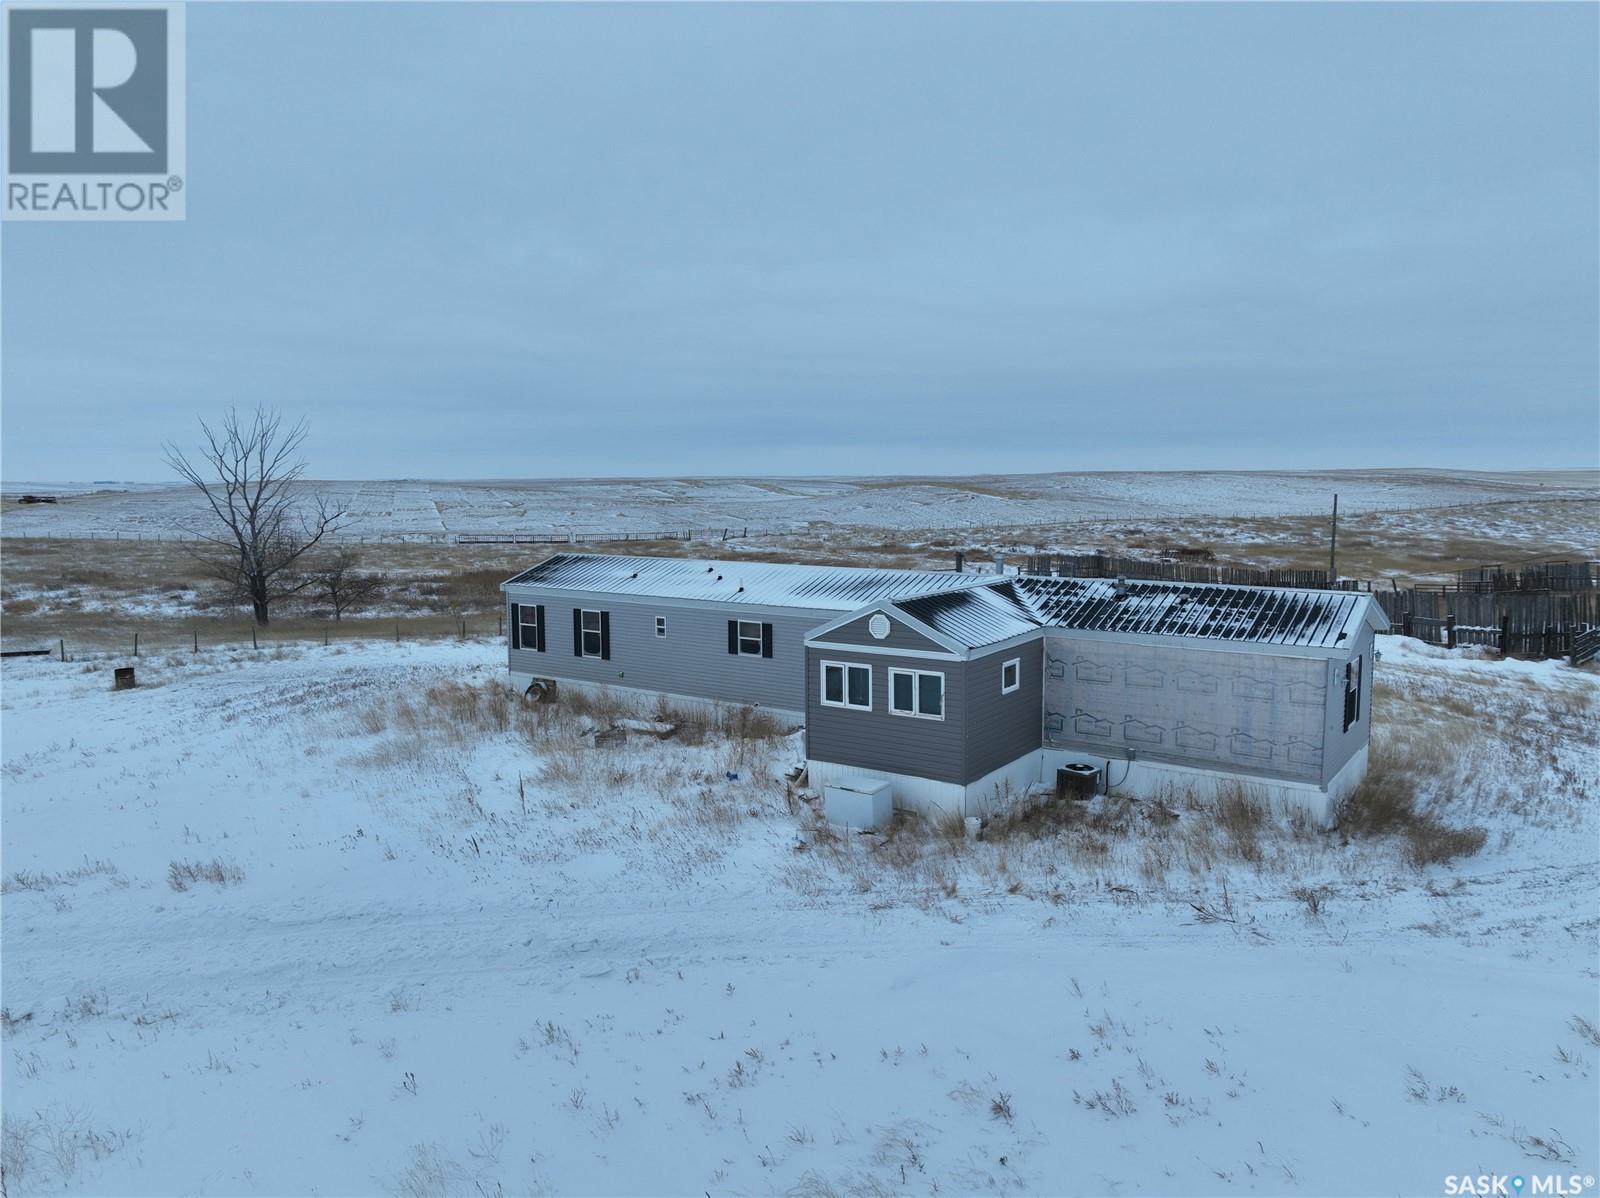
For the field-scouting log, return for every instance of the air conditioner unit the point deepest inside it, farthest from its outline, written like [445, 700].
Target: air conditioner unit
[1078, 780]
[865, 804]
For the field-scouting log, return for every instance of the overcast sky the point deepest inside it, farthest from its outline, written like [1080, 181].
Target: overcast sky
[503, 241]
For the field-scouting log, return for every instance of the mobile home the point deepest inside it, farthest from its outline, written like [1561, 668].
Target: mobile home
[957, 688]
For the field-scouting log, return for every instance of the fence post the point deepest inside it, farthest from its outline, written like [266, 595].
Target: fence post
[397, 632]
[197, 640]
[1450, 630]
[254, 644]
[1405, 622]
[63, 648]
[1505, 636]
[136, 644]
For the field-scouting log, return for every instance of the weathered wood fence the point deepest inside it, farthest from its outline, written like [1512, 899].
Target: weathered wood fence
[1108, 565]
[1524, 623]
[1576, 575]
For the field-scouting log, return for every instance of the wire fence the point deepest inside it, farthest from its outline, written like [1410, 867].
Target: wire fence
[135, 639]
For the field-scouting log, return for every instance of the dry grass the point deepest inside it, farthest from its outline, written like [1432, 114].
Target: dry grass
[181, 875]
[1404, 764]
[24, 879]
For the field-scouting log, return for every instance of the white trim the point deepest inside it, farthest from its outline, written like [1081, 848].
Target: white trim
[883, 651]
[661, 628]
[599, 632]
[524, 624]
[955, 648]
[846, 666]
[1016, 685]
[740, 638]
[916, 693]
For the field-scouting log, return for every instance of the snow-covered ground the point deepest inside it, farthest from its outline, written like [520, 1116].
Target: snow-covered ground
[349, 920]
[411, 509]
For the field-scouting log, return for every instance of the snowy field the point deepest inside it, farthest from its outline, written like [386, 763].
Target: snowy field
[400, 510]
[354, 920]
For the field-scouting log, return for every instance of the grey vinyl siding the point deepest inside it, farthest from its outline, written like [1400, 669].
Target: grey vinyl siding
[878, 740]
[692, 660]
[1339, 743]
[901, 636]
[1001, 728]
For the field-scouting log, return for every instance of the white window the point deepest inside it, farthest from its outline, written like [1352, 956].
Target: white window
[750, 638]
[845, 685]
[593, 643]
[528, 619]
[661, 625]
[1010, 675]
[918, 693]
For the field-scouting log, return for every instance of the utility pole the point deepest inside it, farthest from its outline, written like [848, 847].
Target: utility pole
[1333, 544]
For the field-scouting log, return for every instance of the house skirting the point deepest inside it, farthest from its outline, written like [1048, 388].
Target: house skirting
[1158, 779]
[935, 800]
[1131, 779]
[647, 698]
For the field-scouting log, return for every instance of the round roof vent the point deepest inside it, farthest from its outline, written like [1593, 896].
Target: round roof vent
[878, 626]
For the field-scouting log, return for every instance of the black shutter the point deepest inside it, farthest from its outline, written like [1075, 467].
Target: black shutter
[733, 636]
[538, 614]
[605, 636]
[516, 626]
[766, 640]
[577, 632]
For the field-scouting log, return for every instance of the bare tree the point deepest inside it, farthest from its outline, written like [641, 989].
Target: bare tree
[247, 471]
[339, 579]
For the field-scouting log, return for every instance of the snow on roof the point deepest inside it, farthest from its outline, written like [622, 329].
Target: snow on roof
[1262, 615]
[759, 584]
[974, 617]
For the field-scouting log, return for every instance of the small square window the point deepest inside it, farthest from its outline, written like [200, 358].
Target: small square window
[1010, 675]
[661, 625]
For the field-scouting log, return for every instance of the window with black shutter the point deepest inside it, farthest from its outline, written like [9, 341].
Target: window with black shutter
[528, 630]
[1352, 692]
[593, 632]
[749, 638]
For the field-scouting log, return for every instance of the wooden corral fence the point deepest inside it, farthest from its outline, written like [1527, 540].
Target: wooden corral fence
[1585, 646]
[1574, 575]
[1523, 623]
[1109, 565]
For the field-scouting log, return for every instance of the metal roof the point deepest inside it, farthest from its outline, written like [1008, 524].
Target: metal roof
[1262, 615]
[759, 584]
[974, 617]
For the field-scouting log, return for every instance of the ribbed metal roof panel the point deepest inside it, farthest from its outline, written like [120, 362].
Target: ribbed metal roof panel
[1207, 611]
[760, 584]
[974, 617]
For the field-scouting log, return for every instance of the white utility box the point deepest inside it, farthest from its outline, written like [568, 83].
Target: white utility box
[865, 804]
